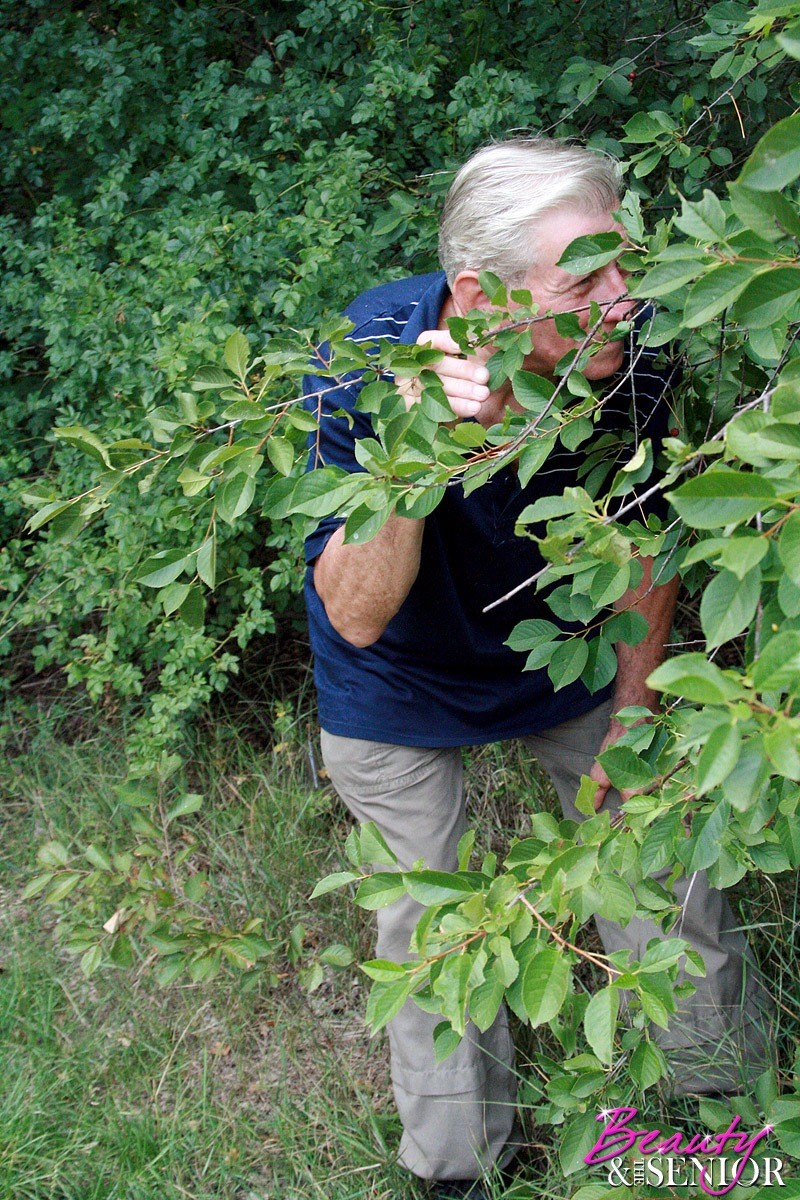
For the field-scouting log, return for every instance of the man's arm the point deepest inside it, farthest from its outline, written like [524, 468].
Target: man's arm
[657, 606]
[362, 587]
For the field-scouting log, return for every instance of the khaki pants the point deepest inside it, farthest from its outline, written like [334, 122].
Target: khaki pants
[459, 1117]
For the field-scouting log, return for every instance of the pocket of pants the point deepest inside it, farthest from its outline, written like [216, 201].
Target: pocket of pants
[367, 768]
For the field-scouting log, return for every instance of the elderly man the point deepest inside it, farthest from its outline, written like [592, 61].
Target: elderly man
[409, 668]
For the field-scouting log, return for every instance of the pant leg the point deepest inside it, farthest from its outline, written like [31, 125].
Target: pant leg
[458, 1115]
[718, 1039]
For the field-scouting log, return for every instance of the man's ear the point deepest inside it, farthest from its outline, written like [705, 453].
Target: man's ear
[467, 293]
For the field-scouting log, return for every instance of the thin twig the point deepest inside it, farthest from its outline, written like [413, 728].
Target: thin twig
[586, 954]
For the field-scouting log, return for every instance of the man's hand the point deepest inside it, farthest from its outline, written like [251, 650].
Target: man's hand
[597, 773]
[464, 379]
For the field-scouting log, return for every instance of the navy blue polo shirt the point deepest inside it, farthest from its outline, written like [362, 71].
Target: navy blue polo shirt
[440, 675]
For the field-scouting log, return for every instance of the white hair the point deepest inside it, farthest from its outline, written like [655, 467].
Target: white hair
[489, 218]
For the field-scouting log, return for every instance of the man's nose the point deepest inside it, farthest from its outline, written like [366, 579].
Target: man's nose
[618, 305]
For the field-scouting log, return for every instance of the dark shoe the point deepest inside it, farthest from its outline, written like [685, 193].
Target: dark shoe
[458, 1189]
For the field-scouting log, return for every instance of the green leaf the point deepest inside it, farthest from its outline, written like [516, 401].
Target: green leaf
[386, 1000]
[373, 847]
[587, 254]
[331, 882]
[445, 1041]
[778, 664]
[311, 977]
[207, 561]
[162, 568]
[768, 298]
[695, 678]
[196, 887]
[98, 858]
[600, 1023]
[769, 214]
[485, 1001]
[577, 863]
[580, 1135]
[722, 497]
[384, 970]
[775, 162]
[782, 744]
[337, 955]
[702, 851]
[464, 849]
[533, 457]
[493, 287]
[49, 511]
[532, 392]
[91, 960]
[646, 1066]
[545, 982]
[193, 608]
[192, 802]
[121, 951]
[235, 496]
[728, 605]
[703, 219]
[660, 955]
[173, 596]
[789, 39]
[789, 548]
[530, 633]
[715, 291]
[36, 885]
[84, 440]
[624, 768]
[601, 665]
[65, 882]
[437, 887]
[628, 627]
[648, 126]
[380, 890]
[451, 985]
[718, 758]
[243, 410]
[211, 379]
[788, 831]
[617, 900]
[364, 522]
[741, 554]
[237, 354]
[568, 660]
[667, 277]
[323, 491]
[653, 1003]
[610, 583]
[770, 858]
[280, 453]
[658, 847]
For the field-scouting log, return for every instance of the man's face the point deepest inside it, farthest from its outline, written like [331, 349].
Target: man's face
[555, 289]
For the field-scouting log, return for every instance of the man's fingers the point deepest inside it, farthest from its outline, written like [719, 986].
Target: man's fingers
[439, 339]
[467, 369]
[603, 784]
[464, 378]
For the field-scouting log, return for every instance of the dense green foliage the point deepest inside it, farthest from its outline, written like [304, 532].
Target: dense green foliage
[192, 189]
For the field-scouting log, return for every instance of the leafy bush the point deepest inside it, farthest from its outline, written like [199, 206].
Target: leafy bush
[216, 450]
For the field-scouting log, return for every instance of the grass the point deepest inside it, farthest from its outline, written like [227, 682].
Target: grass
[114, 1089]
